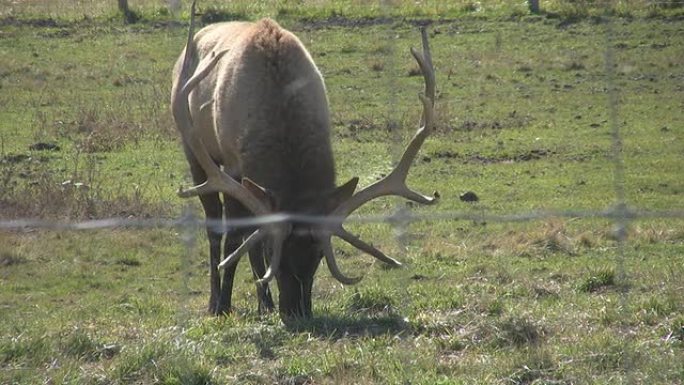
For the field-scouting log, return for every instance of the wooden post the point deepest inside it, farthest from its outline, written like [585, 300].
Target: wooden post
[123, 6]
[534, 6]
[174, 6]
[128, 15]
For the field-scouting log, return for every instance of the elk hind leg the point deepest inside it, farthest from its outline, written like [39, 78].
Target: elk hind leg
[213, 212]
[233, 241]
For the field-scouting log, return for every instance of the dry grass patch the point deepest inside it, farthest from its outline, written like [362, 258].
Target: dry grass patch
[51, 199]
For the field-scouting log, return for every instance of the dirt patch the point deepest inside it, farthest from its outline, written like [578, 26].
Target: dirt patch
[44, 146]
[341, 21]
[513, 119]
[38, 22]
[15, 158]
[526, 156]
[357, 125]
[523, 157]
[347, 22]
[9, 259]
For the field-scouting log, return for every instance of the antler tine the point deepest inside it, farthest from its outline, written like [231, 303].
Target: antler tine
[235, 256]
[426, 67]
[278, 232]
[368, 248]
[325, 241]
[332, 262]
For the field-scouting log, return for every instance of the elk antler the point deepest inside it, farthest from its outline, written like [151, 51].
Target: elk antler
[217, 180]
[392, 184]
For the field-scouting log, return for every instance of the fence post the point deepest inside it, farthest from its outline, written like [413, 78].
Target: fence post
[187, 229]
[123, 6]
[128, 15]
[534, 6]
[174, 6]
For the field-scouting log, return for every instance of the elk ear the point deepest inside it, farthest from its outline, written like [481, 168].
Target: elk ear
[342, 193]
[262, 194]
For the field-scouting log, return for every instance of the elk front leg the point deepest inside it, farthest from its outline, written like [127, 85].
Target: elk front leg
[234, 239]
[233, 210]
[213, 212]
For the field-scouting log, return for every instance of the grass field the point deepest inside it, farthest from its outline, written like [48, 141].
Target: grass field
[528, 106]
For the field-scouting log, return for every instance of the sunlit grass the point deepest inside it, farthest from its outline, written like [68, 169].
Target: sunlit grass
[150, 10]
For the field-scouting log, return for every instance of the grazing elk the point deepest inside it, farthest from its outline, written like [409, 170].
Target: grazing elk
[252, 110]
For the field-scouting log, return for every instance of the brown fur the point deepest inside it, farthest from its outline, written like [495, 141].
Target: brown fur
[262, 113]
[267, 94]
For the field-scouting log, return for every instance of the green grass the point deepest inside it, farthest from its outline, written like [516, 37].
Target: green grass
[214, 10]
[524, 123]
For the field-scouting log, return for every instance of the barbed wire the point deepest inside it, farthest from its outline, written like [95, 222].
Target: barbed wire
[479, 213]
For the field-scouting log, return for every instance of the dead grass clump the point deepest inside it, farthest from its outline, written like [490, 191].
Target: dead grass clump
[546, 290]
[105, 132]
[517, 331]
[48, 198]
[8, 258]
[454, 334]
[414, 71]
[655, 234]
[554, 239]
[376, 66]
[535, 367]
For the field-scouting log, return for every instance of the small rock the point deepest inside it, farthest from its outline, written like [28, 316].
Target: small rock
[469, 196]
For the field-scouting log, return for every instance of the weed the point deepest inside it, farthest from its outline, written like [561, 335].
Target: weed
[535, 366]
[371, 299]
[611, 354]
[598, 280]
[471, 6]
[25, 349]
[677, 329]
[79, 344]
[48, 197]
[162, 363]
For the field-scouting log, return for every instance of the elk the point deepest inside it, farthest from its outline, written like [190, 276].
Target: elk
[252, 111]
